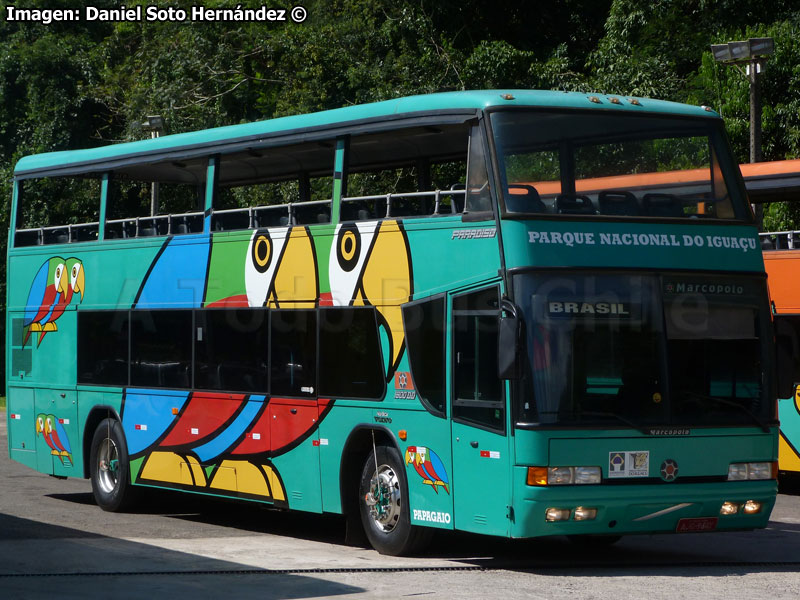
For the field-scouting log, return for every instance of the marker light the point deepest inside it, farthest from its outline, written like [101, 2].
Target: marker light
[729, 508]
[752, 507]
[557, 514]
[583, 513]
[751, 471]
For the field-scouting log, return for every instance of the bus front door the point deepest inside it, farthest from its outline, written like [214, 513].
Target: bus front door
[481, 479]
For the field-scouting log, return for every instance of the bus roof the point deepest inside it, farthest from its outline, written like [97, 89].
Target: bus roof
[339, 121]
[772, 181]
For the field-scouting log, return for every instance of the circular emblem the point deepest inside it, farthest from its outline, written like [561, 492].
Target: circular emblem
[348, 247]
[669, 470]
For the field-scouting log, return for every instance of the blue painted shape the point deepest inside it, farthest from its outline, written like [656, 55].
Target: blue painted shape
[178, 277]
[231, 433]
[151, 411]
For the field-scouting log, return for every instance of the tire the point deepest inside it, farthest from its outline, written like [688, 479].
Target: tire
[110, 469]
[386, 519]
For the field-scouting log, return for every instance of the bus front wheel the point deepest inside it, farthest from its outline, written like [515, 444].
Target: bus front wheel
[383, 503]
[110, 472]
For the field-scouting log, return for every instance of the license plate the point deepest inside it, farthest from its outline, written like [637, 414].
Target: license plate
[696, 525]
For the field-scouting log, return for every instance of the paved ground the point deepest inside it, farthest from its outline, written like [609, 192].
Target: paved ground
[54, 542]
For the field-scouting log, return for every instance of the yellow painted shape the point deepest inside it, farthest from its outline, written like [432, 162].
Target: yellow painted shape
[788, 460]
[387, 281]
[224, 478]
[249, 478]
[278, 493]
[167, 467]
[197, 471]
[295, 282]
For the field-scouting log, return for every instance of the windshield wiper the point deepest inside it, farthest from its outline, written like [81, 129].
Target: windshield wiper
[598, 413]
[724, 402]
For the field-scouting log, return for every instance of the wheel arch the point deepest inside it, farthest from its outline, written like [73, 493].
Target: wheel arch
[95, 417]
[356, 448]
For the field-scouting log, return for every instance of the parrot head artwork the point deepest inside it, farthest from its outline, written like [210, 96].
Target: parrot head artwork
[370, 265]
[53, 288]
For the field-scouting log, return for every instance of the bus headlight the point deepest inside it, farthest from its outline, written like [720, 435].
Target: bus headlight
[564, 475]
[751, 471]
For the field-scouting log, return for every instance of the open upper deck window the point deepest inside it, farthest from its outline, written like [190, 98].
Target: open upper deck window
[410, 172]
[58, 210]
[616, 165]
[275, 186]
[159, 198]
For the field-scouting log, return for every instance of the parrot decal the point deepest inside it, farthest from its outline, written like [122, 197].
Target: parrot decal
[52, 290]
[55, 436]
[370, 265]
[428, 465]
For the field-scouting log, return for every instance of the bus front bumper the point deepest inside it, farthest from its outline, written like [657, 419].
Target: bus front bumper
[640, 509]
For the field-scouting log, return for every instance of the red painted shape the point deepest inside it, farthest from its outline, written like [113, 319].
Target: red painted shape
[485, 454]
[239, 301]
[255, 446]
[290, 420]
[326, 299]
[206, 412]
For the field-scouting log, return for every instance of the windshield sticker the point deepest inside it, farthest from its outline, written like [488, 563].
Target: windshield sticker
[718, 289]
[610, 309]
[629, 464]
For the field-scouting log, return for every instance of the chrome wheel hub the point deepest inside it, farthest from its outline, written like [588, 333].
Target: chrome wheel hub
[383, 498]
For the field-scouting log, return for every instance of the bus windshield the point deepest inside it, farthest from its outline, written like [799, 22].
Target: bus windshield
[644, 350]
[574, 163]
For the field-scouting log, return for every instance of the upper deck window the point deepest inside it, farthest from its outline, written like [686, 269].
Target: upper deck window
[617, 165]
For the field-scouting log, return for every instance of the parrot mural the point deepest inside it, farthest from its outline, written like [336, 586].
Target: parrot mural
[52, 290]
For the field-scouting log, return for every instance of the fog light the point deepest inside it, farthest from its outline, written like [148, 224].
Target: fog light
[729, 508]
[752, 507]
[557, 514]
[583, 513]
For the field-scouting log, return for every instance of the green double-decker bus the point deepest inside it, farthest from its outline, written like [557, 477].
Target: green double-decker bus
[501, 312]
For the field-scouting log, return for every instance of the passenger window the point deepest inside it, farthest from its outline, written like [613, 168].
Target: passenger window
[165, 198]
[410, 172]
[231, 350]
[423, 322]
[350, 363]
[161, 348]
[478, 391]
[273, 187]
[103, 347]
[58, 210]
[293, 353]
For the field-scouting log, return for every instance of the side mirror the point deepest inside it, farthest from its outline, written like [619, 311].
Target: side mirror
[787, 355]
[509, 342]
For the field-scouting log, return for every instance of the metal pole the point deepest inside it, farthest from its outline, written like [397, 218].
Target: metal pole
[755, 129]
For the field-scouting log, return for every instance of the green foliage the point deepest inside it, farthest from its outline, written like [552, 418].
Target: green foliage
[82, 84]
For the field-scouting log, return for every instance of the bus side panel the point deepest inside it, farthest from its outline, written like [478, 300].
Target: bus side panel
[22, 430]
[784, 286]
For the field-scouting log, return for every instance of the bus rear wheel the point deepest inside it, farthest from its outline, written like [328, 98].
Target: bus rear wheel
[383, 503]
[109, 468]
